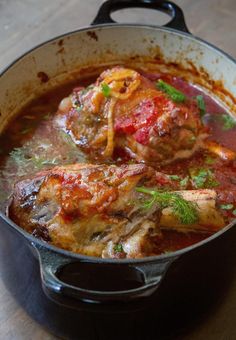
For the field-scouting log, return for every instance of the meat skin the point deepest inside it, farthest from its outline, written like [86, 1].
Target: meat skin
[134, 115]
[97, 210]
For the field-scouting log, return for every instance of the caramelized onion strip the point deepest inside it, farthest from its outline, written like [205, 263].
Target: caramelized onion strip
[219, 150]
[122, 82]
[110, 128]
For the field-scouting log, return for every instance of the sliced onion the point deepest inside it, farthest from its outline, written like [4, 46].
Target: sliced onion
[110, 129]
[122, 79]
[65, 105]
[219, 150]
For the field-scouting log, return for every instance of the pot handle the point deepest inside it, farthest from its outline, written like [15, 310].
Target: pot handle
[51, 264]
[175, 12]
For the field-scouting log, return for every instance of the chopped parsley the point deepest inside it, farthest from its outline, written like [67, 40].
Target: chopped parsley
[184, 210]
[228, 121]
[171, 91]
[118, 248]
[227, 206]
[203, 178]
[234, 212]
[201, 105]
[106, 90]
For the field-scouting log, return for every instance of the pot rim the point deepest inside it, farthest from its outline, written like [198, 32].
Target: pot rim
[157, 258]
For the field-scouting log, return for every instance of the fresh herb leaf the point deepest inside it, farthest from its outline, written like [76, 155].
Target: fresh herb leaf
[234, 212]
[226, 206]
[184, 210]
[118, 248]
[172, 92]
[106, 90]
[203, 178]
[201, 105]
[228, 121]
[53, 161]
[21, 159]
[184, 182]
[17, 155]
[174, 177]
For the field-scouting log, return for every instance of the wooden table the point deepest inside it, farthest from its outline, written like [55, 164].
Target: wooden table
[26, 23]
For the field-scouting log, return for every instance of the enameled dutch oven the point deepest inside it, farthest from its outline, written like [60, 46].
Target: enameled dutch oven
[78, 277]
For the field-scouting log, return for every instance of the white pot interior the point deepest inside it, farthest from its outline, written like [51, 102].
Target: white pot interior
[68, 57]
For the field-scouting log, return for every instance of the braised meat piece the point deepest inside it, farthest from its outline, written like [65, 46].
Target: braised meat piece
[82, 207]
[109, 211]
[125, 110]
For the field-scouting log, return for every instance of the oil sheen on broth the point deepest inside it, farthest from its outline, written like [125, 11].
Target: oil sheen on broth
[32, 142]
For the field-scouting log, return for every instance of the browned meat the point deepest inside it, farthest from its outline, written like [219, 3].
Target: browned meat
[209, 218]
[99, 210]
[125, 110]
[82, 207]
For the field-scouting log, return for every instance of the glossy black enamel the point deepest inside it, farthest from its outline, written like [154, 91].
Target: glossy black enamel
[67, 285]
[108, 7]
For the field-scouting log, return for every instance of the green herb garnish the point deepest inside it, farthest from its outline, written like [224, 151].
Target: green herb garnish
[184, 210]
[106, 90]
[226, 206]
[184, 182]
[203, 178]
[21, 159]
[172, 92]
[228, 121]
[234, 212]
[118, 248]
[174, 177]
[201, 105]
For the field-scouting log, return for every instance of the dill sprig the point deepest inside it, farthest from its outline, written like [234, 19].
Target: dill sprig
[184, 210]
[228, 121]
[21, 159]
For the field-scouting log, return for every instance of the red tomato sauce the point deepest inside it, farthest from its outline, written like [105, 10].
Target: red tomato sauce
[32, 143]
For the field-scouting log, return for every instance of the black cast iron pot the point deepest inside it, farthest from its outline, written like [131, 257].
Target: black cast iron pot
[69, 278]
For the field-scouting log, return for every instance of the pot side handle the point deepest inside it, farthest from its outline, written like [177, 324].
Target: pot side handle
[175, 12]
[51, 264]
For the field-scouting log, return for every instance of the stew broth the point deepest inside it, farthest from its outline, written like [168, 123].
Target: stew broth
[32, 143]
